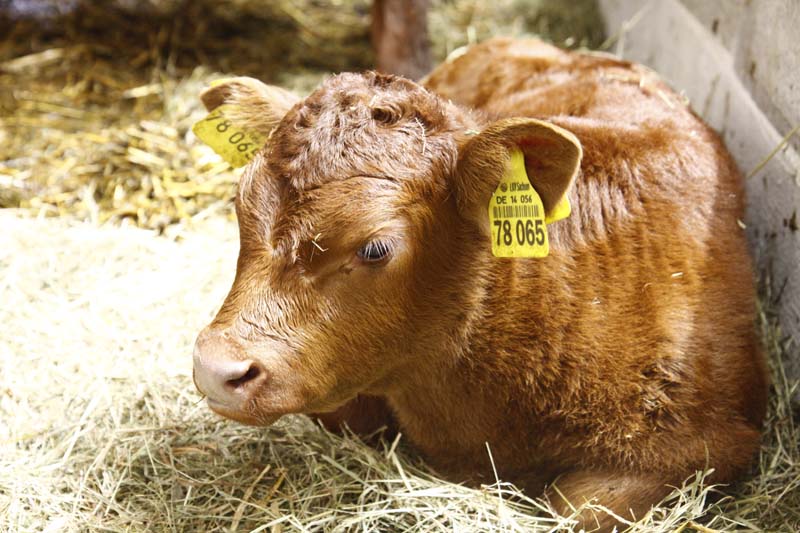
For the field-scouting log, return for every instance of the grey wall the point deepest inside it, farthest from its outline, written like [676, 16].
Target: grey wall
[738, 62]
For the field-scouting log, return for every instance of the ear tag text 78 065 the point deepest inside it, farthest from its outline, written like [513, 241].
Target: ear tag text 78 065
[516, 214]
[234, 144]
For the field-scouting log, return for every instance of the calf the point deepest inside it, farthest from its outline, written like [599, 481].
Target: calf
[615, 363]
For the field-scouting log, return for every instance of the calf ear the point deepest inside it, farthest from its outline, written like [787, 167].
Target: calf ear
[552, 160]
[254, 106]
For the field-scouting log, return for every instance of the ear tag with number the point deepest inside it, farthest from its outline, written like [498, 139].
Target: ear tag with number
[516, 214]
[234, 144]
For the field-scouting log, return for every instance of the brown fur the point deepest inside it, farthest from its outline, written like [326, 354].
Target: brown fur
[620, 364]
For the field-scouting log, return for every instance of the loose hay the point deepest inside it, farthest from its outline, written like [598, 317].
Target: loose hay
[103, 429]
[101, 426]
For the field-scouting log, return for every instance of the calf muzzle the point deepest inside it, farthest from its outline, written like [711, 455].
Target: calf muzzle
[227, 379]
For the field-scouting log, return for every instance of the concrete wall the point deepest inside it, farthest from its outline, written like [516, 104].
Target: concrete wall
[738, 62]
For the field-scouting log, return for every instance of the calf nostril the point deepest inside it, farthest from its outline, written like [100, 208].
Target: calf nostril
[252, 373]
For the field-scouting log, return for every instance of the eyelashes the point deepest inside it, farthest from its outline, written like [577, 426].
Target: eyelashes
[374, 251]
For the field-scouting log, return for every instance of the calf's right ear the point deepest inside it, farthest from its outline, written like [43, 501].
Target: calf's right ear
[552, 161]
[254, 106]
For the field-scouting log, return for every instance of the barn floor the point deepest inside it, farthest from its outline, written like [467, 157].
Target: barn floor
[101, 428]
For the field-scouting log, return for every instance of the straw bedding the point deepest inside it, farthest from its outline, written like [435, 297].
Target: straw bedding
[101, 428]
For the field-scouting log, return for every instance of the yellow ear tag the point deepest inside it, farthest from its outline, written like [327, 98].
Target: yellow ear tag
[560, 211]
[516, 214]
[232, 143]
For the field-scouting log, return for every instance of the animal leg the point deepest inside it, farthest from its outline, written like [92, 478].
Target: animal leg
[400, 37]
[627, 495]
[364, 415]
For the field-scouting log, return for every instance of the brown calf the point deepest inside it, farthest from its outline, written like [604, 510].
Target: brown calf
[366, 287]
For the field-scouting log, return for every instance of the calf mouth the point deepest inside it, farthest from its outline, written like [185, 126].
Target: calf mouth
[241, 416]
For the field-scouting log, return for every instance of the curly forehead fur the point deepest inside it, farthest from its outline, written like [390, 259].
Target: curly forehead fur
[362, 124]
[365, 125]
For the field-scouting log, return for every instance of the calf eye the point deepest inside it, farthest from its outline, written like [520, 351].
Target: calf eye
[374, 251]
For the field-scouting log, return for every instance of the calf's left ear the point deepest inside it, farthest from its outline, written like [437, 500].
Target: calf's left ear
[552, 160]
[252, 105]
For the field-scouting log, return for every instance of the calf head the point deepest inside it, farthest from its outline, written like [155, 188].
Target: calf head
[363, 229]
